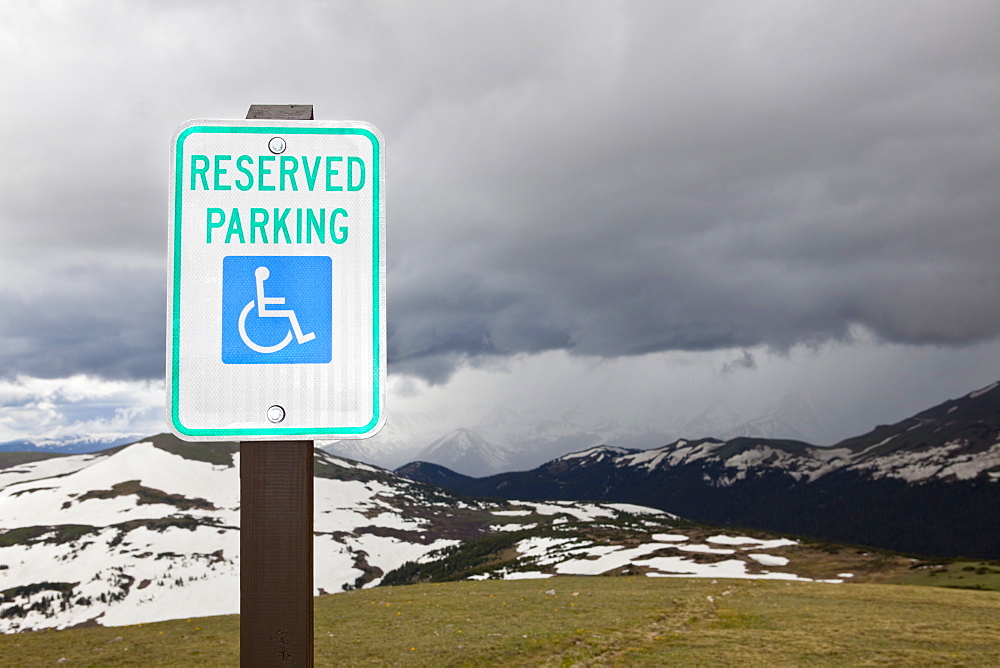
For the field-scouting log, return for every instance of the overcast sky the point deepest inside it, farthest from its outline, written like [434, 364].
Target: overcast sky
[659, 200]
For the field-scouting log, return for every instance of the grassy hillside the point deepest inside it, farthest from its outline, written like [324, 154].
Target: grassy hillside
[595, 620]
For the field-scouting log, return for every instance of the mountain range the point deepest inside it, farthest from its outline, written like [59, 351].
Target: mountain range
[929, 484]
[508, 439]
[69, 444]
[150, 531]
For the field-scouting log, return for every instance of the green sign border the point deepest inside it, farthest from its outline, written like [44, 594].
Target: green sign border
[175, 359]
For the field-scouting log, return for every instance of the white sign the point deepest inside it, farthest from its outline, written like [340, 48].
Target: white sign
[276, 310]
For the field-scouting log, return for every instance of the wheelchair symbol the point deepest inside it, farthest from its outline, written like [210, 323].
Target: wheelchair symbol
[261, 274]
[272, 302]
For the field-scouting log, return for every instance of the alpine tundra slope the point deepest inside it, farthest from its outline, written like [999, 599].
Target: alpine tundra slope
[150, 531]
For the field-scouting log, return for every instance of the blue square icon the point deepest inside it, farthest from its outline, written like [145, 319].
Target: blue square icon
[277, 309]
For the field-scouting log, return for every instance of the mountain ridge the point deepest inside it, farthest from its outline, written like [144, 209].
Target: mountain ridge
[926, 484]
[529, 437]
[465, 451]
[72, 444]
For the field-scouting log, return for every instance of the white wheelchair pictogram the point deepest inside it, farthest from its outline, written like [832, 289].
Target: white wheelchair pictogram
[261, 274]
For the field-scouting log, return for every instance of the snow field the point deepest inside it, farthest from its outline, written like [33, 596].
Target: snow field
[633, 509]
[183, 569]
[54, 501]
[44, 469]
[147, 575]
[352, 503]
[752, 543]
[609, 557]
[573, 556]
[583, 512]
[513, 527]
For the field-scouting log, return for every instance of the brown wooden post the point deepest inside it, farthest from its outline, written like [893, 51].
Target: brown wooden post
[276, 535]
[276, 553]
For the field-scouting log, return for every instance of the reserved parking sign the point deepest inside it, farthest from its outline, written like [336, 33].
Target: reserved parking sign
[276, 311]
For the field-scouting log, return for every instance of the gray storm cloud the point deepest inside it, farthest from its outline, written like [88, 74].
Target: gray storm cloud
[609, 179]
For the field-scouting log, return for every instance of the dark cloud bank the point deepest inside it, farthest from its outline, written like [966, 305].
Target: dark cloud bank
[626, 181]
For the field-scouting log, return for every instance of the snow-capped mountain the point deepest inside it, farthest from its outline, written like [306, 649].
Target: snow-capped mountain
[402, 437]
[74, 444]
[928, 484]
[151, 531]
[513, 440]
[795, 418]
[466, 452]
[529, 437]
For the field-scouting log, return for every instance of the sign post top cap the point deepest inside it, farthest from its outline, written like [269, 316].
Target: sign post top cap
[291, 112]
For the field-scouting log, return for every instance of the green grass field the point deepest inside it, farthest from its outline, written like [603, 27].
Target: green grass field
[957, 573]
[581, 621]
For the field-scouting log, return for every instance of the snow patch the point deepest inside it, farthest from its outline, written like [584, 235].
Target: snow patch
[512, 527]
[45, 468]
[730, 568]
[769, 559]
[669, 537]
[527, 575]
[638, 510]
[583, 512]
[940, 462]
[599, 450]
[608, 557]
[733, 540]
[979, 393]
